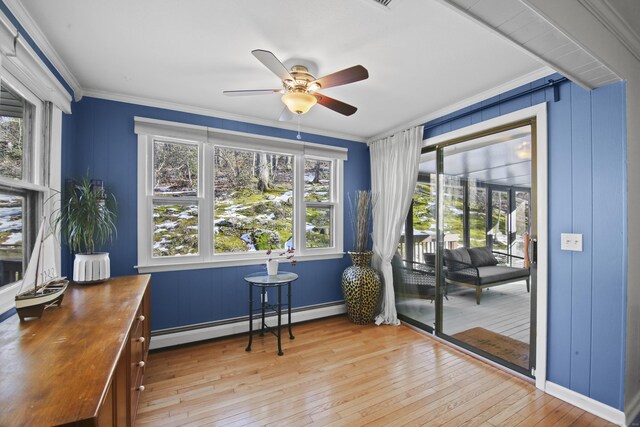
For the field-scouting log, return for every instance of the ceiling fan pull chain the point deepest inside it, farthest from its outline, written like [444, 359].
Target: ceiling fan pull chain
[298, 135]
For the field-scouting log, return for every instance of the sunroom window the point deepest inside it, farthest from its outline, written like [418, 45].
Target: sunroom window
[17, 207]
[175, 202]
[318, 203]
[213, 198]
[253, 203]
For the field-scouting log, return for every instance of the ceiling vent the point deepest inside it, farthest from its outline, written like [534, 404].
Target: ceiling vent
[383, 3]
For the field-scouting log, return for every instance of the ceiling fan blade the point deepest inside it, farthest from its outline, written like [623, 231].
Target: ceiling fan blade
[252, 92]
[348, 75]
[286, 115]
[335, 105]
[271, 62]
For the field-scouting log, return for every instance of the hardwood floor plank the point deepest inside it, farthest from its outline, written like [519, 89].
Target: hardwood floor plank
[338, 373]
[478, 411]
[530, 416]
[529, 399]
[583, 420]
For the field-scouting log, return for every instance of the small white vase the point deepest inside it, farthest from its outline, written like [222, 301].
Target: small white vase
[91, 268]
[272, 267]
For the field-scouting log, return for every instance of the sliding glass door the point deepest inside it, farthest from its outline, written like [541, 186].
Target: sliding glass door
[467, 235]
[414, 266]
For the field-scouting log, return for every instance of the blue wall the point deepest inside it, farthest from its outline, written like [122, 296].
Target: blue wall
[99, 137]
[587, 194]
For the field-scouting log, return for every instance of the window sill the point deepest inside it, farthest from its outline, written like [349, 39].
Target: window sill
[7, 296]
[179, 266]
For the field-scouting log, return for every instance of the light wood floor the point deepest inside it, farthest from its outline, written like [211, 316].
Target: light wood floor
[337, 373]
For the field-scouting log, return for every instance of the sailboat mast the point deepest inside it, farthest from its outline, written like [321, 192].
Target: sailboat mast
[40, 255]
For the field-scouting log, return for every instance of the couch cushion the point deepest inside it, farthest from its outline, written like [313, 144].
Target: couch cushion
[482, 256]
[459, 255]
[499, 273]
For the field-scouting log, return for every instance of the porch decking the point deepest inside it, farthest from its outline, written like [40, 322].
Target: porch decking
[504, 309]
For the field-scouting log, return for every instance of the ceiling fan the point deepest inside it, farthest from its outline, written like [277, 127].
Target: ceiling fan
[299, 87]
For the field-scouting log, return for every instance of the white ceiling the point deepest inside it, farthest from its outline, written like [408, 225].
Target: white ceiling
[421, 55]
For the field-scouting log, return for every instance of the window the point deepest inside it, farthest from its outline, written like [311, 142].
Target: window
[22, 150]
[209, 197]
[11, 247]
[253, 200]
[318, 203]
[175, 202]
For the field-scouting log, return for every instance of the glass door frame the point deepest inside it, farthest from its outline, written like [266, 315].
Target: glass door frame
[440, 282]
[511, 201]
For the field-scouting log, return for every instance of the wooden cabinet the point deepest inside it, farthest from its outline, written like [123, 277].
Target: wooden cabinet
[82, 363]
[139, 342]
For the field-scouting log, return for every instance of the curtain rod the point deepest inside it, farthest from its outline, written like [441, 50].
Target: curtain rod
[551, 83]
[392, 134]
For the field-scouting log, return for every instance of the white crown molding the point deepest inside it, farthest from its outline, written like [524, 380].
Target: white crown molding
[584, 402]
[611, 19]
[129, 99]
[21, 14]
[482, 96]
[20, 60]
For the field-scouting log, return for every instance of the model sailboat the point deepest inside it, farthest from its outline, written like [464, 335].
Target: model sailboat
[41, 286]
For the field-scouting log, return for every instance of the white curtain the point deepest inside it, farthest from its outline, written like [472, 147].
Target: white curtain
[394, 173]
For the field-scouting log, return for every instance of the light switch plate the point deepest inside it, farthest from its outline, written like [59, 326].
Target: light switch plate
[571, 242]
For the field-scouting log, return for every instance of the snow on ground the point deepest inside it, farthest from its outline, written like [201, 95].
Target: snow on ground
[11, 225]
[165, 225]
[285, 197]
[13, 239]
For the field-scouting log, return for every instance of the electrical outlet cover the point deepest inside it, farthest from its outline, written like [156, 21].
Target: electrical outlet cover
[571, 242]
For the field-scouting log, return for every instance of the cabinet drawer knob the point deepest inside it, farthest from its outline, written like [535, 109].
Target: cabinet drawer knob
[141, 317]
[141, 388]
[141, 339]
[140, 363]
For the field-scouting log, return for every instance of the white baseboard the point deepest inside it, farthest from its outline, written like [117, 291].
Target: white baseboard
[234, 326]
[599, 409]
[632, 410]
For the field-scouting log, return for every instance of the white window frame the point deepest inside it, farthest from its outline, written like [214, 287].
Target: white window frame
[151, 130]
[33, 162]
[198, 199]
[336, 181]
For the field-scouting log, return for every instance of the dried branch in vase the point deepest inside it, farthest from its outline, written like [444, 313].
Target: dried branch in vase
[361, 208]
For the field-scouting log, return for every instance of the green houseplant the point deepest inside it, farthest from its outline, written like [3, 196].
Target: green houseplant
[86, 220]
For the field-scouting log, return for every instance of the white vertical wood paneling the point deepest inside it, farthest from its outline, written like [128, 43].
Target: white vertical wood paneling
[516, 21]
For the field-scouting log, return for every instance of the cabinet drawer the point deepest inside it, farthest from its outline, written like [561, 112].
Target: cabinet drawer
[138, 361]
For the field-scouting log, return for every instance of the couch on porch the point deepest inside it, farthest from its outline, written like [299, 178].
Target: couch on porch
[478, 268]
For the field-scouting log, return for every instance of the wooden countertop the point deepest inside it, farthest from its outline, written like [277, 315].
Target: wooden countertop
[56, 369]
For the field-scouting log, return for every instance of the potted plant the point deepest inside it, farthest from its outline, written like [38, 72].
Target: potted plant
[86, 220]
[273, 259]
[360, 282]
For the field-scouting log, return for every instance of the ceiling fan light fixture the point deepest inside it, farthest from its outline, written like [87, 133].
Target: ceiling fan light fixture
[299, 102]
[313, 87]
